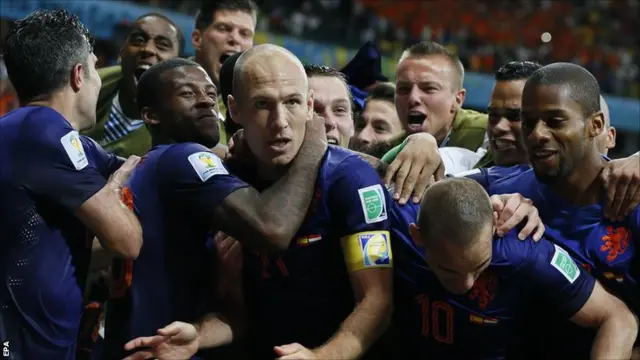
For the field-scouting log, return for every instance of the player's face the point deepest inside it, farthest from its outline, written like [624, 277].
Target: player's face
[89, 92]
[378, 122]
[425, 98]
[230, 32]
[457, 268]
[554, 128]
[504, 128]
[331, 101]
[150, 41]
[189, 106]
[275, 106]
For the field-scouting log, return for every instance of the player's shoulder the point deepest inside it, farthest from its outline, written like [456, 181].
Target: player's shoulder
[511, 253]
[188, 157]
[518, 180]
[341, 161]
[184, 150]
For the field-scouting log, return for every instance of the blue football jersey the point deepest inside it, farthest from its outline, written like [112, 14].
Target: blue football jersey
[304, 294]
[47, 171]
[174, 191]
[604, 248]
[487, 176]
[485, 323]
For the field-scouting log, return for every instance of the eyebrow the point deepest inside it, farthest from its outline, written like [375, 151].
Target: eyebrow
[477, 267]
[490, 108]
[135, 30]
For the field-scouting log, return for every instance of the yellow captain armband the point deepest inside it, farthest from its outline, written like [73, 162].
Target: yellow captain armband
[367, 250]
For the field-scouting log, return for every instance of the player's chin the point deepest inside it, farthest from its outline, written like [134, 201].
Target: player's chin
[282, 159]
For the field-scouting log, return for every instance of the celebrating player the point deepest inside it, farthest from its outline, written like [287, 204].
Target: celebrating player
[55, 190]
[465, 291]
[561, 121]
[181, 192]
[329, 295]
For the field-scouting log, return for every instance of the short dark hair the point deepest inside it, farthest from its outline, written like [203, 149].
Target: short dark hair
[431, 48]
[383, 91]
[456, 210]
[180, 33]
[150, 83]
[313, 70]
[583, 86]
[209, 8]
[40, 51]
[516, 70]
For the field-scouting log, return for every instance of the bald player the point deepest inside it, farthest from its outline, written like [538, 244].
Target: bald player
[182, 192]
[607, 139]
[468, 290]
[328, 296]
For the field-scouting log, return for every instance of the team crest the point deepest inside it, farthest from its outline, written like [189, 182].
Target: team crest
[484, 289]
[616, 242]
[206, 165]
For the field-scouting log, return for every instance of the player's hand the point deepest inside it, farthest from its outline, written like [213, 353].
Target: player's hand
[316, 132]
[121, 175]
[221, 151]
[294, 351]
[229, 253]
[416, 167]
[178, 341]
[513, 209]
[622, 180]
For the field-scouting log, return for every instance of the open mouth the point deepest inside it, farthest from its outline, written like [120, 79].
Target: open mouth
[332, 141]
[503, 145]
[542, 154]
[279, 145]
[140, 69]
[415, 121]
[225, 56]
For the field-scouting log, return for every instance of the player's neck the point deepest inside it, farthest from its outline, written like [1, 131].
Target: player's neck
[65, 108]
[127, 98]
[583, 187]
[271, 173]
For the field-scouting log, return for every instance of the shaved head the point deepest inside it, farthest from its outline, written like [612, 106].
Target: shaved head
[604, 107]
[259, 61]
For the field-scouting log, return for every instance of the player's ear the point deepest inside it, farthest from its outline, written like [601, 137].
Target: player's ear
[414, 230]
[596, 124]
[148, 116]
[196, 39]
[77, 77]
[460, 96]
[310, 104]
[611, 138]
[233, 109]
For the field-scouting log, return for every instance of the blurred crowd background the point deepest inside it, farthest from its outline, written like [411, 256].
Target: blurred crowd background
[600, 35]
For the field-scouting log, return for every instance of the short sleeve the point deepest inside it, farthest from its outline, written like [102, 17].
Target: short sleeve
[360, 202]
[194, 178]
[558, 279]
[106, 163]
[52, 161]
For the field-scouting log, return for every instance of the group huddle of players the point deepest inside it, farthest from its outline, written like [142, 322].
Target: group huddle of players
[290, 246]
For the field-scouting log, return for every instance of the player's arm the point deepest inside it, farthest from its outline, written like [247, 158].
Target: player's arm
[360, 200]
[578, 296]
[268, 221]
[57, 167]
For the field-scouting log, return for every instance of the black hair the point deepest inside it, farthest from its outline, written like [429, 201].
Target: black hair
[180, 33]
[383, 91]
[313, 70]
[516, 70]
[40, 51]
[208, 10]
[431, 48]
[150, 83]
[583, 86]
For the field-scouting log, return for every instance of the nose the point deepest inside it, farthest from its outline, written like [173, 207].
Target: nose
[279, 118]
[365, 136]
[203, 100]
[539, 133]
[149, 48]
[502, 126]
[234, 38]
[329, 122]
[414, 96]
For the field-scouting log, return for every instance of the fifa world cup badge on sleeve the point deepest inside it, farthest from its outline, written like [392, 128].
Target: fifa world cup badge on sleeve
[75, 151]
[563, 262]
[373, 203]
[206, 165]
[367, 250]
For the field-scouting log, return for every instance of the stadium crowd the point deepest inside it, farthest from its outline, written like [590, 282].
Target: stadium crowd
[241, 204]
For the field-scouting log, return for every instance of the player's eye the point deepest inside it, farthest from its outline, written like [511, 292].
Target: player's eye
[260, 104]
[292, 102]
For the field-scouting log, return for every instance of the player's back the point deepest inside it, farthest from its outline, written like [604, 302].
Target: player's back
[46, 172]
[170, 280]
[488, 176]
[485, 323]
[304, 294]
[605, 248]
